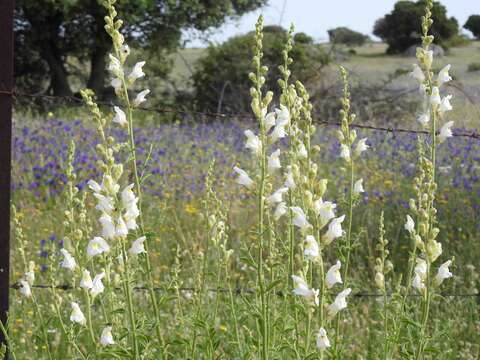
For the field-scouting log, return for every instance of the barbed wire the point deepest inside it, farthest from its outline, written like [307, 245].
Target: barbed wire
[470, 133]
[237, 291]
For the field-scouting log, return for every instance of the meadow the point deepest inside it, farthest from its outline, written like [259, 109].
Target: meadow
[205, 271]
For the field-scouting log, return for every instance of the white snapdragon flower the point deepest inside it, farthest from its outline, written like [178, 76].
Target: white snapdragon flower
[106, 338]
[94, 186]
[77, 314]
[434, 250]
[283, 116]
[417, 73]
[410, 224]
[253, 143]
[435, 99]
[311, 251]
[424, 118]
[86, 280]
[325, 210]
[361, 146]
[121, 229]
[358, 187]
[97, 246]
[300, 219]
[138, 246]
[114, 66]
[108, 227]
[105, 203]
[24, 288]
[269, 121]
[445, 132]
[420, 271]
[443, 273]
[68, 261]
[276, 197]
[334, 230]
[97, 285]
[289, 181]
[137, 72]
[444, 76]
[333, 275]
[116, 84]
[120, 117]
[128, 196]
[322, 340]
[345, 152]
[125, 50]
[243, 178]
[274, 161]
[302, 289]
[302, 151]
[131, 215]
[445, 105]
[339, 303]
[277, 133]
[280, 210]
[140, 98]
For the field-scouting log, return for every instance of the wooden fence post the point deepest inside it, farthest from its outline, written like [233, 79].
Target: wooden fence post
[6, 87]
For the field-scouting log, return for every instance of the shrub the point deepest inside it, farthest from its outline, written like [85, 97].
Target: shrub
[345, 36]
[473, 67]
[401, 28]
[219, 80]
[473, 24]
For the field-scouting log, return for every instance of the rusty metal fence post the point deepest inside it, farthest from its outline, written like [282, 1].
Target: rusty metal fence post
[6, 85]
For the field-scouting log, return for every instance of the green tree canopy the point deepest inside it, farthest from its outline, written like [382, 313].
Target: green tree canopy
[401, 28]
[221, 81]
[346, 36]
[473, 24]
[48, 34]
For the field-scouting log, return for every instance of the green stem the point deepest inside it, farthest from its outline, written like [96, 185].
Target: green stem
[9, 343]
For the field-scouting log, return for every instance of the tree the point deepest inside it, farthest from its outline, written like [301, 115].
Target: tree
[221, 83]
[473, 24]
[401, 28]
[50, 34]
[345, 36]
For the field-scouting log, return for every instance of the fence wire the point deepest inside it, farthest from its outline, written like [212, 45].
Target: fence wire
[469, 133]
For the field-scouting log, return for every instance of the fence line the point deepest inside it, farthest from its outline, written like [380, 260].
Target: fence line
[237, 291]
[217, 115]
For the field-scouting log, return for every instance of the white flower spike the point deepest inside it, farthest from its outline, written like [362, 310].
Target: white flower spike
[435, 99]
[276, 197]
[325, 210]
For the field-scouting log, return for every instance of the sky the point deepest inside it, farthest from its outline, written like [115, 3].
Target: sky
[315, 17]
